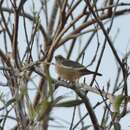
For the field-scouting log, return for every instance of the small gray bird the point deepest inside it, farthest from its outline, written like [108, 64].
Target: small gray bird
[71, 70]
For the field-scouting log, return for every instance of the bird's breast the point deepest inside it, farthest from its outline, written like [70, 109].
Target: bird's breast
[67, 73]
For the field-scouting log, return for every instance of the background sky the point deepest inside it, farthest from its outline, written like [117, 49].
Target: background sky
[108, 67]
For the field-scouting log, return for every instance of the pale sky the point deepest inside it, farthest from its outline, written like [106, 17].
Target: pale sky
[107, 68]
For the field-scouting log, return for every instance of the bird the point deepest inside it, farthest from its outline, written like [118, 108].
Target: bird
[71, 70]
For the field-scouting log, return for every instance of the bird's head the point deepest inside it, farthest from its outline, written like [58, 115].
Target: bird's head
[59, 58]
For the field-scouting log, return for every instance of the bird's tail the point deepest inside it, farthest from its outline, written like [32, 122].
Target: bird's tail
[86, 72]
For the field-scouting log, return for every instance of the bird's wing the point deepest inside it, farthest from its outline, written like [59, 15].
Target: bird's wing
[72, 64]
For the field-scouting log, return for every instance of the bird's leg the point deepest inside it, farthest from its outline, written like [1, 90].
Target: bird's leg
[77, 81]
[72, 83]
